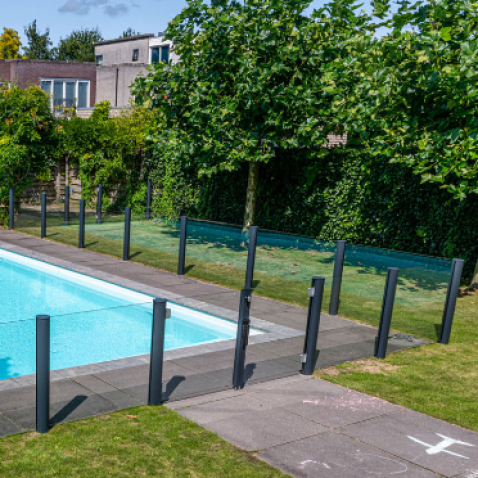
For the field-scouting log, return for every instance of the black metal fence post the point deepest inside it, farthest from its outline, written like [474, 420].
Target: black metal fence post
[183, 234]
[242, 338]
[81, 232]
[43, 216]
[381, 341]
[337, 278]
[157, 351]
[450, 304]
[251, 257]
[99, 204]
[148, 201]
[43, 373]
[127, 233]
[316, 293]
[67, 205]
[11, 209]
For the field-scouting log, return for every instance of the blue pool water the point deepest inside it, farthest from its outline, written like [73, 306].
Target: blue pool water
[91, 320]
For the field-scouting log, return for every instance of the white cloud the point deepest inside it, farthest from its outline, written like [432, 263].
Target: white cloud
[83, 7]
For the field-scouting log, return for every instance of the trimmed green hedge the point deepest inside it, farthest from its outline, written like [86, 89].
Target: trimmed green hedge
[349, 197]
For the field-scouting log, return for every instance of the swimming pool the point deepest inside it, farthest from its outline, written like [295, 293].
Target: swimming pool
[91, 320]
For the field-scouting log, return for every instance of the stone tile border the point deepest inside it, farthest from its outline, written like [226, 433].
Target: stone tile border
[272, 332]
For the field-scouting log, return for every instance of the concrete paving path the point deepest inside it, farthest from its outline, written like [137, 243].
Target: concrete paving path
[312, 428]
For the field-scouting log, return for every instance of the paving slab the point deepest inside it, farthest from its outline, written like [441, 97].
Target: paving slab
[258, 430]
[333, 455]
[224, 409]
[8, 427]
[336, 411]
[420, 439]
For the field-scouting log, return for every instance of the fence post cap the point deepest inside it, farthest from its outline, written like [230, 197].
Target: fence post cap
[43, 317]
[393, 269]
[160, 301]
[318, 278]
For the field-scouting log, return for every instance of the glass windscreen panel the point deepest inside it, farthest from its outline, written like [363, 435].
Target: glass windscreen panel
[83, 94]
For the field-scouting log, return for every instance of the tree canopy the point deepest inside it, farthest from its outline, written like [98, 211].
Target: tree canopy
[78, 46]
[252, 78]
[10, 44]
[39, 44]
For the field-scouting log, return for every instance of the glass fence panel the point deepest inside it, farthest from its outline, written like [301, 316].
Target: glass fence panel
[157, 233]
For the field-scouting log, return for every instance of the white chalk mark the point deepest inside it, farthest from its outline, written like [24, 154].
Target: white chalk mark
[403, 466]
[442, 446]
[304, 463]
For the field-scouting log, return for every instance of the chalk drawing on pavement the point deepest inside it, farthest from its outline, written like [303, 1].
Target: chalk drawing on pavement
[442, 446]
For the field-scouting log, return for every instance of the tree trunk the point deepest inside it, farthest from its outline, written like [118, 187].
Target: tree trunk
[251, 199]
[474, 280]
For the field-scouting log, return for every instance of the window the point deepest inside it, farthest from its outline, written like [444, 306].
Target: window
[160, 53]
[67, 93]
[135, 55]
[99, 60]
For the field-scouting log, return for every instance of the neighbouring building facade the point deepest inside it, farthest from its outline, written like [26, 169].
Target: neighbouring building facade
[68, 84]
[120, 61]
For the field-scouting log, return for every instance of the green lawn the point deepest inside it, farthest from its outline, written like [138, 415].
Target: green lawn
[439, 380]
[140, 442]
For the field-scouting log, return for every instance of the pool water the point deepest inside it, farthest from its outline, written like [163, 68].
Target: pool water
[91, 320]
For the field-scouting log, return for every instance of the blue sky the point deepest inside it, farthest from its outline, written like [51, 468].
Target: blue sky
[111, 16]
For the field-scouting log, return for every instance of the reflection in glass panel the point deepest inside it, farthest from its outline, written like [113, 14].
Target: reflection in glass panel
[165, 54]
[57, 93]
[46, 86]
[83, 94]
[155, 55]
[70, 94]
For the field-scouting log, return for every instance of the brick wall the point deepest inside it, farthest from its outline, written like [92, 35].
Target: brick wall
[29, 72]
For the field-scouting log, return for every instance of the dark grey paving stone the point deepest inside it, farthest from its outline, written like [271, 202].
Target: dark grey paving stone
[125, 377]
[94, 384]
[194, 385]
[17, 398]
[345, 353]
[195, 289]
[224, 409]
[422, 440]
[122, 400]
[66, 390]
[64, 411]
[336, 456]
[264, 429]
[352, 334]
[7, 427]
[338, 410]
[139, 392]
[208, 362]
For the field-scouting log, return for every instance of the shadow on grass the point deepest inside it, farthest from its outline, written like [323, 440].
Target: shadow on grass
[189, 268]
[135, 254]
[91, 244]
[67, 410]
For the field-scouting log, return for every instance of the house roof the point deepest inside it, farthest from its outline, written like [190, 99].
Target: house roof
[120, 40]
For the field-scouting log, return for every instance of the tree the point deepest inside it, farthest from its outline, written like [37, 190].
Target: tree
[28, 139]
[9, 44]
[253, 78]
[417, 101]
[39, 44]
[78, 46]
[129, 32]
